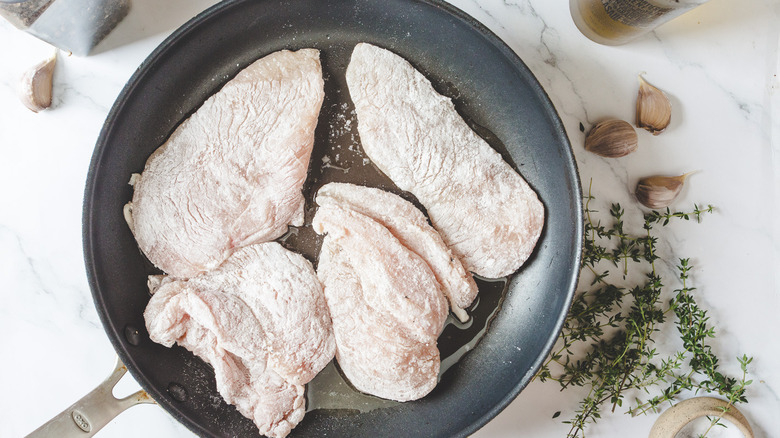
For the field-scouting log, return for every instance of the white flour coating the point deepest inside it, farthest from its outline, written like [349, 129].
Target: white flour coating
[385, 302]
[231, 174]
[261, 320]
[411, 228]
[483, 209]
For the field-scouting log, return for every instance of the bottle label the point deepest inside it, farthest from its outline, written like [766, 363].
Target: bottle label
[638, 13]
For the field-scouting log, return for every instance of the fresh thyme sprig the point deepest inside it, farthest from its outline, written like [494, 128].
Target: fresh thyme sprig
[606, 343]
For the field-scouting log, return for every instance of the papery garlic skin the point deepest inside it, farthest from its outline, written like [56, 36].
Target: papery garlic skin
[659, 191]
[35, 88]
[653, 108]
[612, 138]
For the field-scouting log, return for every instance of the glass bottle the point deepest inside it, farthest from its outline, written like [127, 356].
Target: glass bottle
[614, 22]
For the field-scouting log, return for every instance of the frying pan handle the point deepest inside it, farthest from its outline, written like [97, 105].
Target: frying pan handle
[88, 415]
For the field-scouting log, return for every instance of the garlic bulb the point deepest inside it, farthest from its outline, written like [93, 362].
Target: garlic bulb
[35, 88]
[653, 109]
[611, 138]
[659, 191]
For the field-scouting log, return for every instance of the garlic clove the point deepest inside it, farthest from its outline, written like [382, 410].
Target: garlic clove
[659, 191]
[653, 109]
[612, 138]
[36, 85]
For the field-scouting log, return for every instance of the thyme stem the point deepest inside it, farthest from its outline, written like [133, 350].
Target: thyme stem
[606, 343]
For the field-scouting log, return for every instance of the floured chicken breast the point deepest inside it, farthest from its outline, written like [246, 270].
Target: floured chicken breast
[407, 224]
[261, 320]
[231, 174]
[483, 209]
[386, 305]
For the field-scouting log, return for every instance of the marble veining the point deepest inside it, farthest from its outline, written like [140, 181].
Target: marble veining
[719, 64]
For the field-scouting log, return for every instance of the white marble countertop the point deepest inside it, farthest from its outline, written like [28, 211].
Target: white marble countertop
[719, 64]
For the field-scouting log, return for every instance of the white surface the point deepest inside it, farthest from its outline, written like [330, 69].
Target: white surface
[719, 64]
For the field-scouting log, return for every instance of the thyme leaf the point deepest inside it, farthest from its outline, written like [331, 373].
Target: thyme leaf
[607, 341]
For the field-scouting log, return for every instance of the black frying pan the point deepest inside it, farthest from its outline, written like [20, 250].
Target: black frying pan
[491, 87]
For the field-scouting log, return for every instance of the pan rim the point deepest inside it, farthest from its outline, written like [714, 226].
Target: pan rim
[184, 31]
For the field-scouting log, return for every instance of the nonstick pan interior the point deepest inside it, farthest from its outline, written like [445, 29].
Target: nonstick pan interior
[490, 86]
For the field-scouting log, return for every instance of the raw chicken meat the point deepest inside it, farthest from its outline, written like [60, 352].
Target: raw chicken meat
[260, 319]
[484, 210]
[407, 223]
[386, 305]
[377, 356]
[231, 174]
